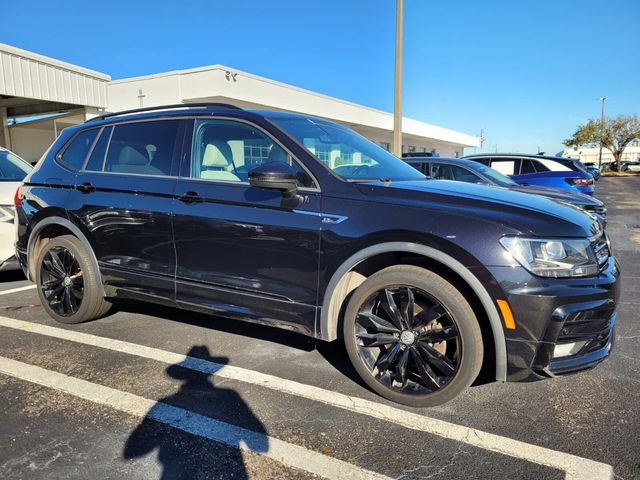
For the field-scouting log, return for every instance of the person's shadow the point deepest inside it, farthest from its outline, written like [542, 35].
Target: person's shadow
[190, 456]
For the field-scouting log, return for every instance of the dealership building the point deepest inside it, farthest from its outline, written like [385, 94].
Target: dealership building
[39, 96]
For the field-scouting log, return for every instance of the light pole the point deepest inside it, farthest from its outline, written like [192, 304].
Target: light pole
[397, 97]
[602, 99]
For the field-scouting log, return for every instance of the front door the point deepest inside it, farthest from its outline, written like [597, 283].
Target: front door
[238, 249]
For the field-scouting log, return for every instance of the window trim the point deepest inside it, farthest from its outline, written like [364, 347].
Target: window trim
[189, 152]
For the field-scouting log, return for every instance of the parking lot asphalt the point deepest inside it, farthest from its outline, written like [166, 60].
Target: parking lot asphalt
[151, 392]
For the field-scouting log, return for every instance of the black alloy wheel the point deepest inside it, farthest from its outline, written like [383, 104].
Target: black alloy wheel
[62, 283]
[412, 336]
[408, 340]
[69, 283]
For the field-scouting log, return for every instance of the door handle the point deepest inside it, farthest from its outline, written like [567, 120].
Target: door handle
[85, 187]
[191, 197]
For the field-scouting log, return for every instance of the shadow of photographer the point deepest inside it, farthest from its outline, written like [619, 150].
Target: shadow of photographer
[196, 405]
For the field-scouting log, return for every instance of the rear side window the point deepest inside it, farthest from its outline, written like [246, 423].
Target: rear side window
[552, 165]
[142, 148]
[506, 166]
[76, 152]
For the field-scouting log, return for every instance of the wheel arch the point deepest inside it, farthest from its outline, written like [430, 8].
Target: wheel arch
[345, 279]
[51, 227]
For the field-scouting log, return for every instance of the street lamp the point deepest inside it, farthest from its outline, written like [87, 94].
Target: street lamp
[397, 100]
[602, 99]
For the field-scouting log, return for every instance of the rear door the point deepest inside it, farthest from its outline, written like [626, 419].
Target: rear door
[238, 249]
[123, 198]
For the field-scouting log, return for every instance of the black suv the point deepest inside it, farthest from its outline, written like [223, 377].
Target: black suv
[241, 214]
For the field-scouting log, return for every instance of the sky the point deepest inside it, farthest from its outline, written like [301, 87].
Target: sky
[526, 72]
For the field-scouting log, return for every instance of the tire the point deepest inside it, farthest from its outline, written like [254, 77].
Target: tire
[66, 278]
[454, 333]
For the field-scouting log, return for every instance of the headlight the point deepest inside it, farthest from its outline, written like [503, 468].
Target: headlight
[7, 212]
[553, 257]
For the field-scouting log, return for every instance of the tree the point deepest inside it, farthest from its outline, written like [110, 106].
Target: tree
[614, 135]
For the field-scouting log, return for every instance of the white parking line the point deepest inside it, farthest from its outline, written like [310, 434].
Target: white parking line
[574, 466]
[16, 290]
[193, 423]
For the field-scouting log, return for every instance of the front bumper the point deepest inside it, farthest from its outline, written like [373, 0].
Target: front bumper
[562, 325]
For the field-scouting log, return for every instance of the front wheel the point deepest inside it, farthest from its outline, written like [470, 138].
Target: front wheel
[412, 336]
[68, 284]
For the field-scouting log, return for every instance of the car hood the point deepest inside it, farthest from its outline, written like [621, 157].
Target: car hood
[525, 213]
[573, 197]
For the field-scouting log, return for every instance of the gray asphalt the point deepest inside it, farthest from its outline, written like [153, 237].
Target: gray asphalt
[48, 434]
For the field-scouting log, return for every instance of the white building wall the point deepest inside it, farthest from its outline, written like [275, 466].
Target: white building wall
[223, 84]
[590, 155]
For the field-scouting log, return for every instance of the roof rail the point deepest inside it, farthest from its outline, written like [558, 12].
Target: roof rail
[165, 107]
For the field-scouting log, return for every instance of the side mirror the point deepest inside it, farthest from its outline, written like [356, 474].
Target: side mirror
[277, 176]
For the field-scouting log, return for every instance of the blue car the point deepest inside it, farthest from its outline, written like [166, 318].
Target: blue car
[593, 170]
[545, 171]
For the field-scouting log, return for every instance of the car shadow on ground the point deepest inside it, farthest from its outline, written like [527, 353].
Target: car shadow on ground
[333, 352]
[12, 276]
[189, 452]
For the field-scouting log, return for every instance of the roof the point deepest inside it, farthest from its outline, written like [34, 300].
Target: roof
[450, 160]
[519, 155]
[28, 75]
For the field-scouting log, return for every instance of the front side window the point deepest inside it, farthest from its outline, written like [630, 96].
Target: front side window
[143, 148]
[226, 150]
[12, 167]
[444, 171]
[497, 177]
[75, 154]
[348, 154]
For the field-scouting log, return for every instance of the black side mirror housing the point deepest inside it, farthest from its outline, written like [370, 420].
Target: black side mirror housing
[277, 176]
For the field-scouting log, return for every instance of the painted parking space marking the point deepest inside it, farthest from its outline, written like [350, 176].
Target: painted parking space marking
[286, 453]
[16, 290]
[575, 467]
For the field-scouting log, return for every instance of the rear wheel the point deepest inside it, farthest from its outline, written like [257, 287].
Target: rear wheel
[412, 336]
[68, 283]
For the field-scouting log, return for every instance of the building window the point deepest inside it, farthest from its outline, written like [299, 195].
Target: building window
[411, 149]
[423, 149]
[386, 146]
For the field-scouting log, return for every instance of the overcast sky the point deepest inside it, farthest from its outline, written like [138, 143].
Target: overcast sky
[527, 71]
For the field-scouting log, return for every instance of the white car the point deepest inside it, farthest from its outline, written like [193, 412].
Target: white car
[13, 169]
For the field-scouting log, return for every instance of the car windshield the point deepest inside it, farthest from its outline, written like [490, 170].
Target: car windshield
[348, 154]
[12, 167]
[495, 176]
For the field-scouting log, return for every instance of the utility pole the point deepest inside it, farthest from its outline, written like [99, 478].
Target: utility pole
[602, 99]
[397, 97]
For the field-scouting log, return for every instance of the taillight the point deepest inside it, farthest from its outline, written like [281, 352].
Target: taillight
[579, 182]
[17, 198]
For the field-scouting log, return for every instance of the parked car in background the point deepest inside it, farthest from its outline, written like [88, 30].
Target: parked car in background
[235, 212]
[13, 169]
[630, 167]
[545, 171]
[593, 170]
[469, 171]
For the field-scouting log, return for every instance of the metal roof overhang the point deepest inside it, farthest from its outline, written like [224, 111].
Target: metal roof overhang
[32, 84]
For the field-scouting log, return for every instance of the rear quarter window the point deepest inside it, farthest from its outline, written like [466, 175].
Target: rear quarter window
[75, 153]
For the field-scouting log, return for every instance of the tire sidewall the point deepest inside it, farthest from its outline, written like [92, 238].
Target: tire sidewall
[469, 332]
